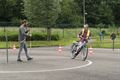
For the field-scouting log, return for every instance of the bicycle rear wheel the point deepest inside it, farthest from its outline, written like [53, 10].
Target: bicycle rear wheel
[84, 53]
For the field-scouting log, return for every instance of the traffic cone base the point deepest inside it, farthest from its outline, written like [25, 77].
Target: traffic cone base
[60, 49]
[14, 48]
[90, 51]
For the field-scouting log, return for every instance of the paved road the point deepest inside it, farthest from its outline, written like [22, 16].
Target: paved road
[49, 64]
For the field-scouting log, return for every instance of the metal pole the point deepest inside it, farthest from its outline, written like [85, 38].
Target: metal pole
[6, 38]
[113, 45]
[84, 11]
[63, 32]
[30, 34]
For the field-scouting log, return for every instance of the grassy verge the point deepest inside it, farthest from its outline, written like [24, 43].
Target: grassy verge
[106, 43]
[67, 36]
[38, 43]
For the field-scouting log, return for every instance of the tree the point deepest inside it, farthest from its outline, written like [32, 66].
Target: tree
[42, 12]
[115, 6]
[5, 10]
[18, 9]
[11, 10]
[70, 14]
[105, 14]
[97, 11]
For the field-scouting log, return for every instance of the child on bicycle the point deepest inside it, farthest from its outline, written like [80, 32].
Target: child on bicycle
[84, 35]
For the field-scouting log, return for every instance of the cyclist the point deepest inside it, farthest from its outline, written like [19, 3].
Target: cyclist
[84, 35]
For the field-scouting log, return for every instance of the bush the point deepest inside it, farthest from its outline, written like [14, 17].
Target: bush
[35, 37]
[13, 37]
[103, 32]
[55, 37]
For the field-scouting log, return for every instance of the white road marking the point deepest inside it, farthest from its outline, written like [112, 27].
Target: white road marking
[52, 70]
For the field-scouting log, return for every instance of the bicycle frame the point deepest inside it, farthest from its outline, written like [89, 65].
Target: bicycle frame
[83, 50]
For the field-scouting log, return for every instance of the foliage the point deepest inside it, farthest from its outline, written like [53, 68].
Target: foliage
[43, 12]
[62, 12]
[70, 14]
[11, 9]
[35, 37]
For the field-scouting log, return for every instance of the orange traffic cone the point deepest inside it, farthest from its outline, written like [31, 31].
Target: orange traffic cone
[90, 51]
[60, 49]
[14, 48]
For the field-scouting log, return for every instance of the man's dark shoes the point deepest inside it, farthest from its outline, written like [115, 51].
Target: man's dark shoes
[30, 59]
[19, 60]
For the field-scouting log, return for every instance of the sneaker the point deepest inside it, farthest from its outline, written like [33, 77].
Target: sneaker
[29, 59]
[19, 60]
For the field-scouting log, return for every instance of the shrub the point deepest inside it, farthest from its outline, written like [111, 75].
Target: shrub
[35, 37]
[55, 37]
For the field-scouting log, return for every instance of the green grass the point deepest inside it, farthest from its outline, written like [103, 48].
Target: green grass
[67, 36]
[106, 43]
[38, 43]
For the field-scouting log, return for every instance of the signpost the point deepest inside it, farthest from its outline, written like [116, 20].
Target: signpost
[6, 39]
[101, 36]
[113, 37]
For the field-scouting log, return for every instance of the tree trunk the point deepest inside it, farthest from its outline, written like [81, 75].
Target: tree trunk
[48, 33]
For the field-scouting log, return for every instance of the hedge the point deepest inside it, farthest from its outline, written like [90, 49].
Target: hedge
[35, 37]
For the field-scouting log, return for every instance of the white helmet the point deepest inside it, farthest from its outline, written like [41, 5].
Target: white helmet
[86, 26]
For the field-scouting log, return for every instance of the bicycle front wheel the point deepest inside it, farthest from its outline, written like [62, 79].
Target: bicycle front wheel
[73, 50]
[84, 53]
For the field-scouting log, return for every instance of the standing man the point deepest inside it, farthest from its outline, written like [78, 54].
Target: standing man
[23, 30]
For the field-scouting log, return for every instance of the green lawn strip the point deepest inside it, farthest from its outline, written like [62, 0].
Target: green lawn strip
[65, 39]
[38, 43]
[106, 43]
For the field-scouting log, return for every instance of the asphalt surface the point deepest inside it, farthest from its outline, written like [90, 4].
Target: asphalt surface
[49, 64]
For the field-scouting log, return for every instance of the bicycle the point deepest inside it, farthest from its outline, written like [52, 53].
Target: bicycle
[83, 50]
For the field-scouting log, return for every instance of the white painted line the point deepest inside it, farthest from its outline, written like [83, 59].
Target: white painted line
[52, 70]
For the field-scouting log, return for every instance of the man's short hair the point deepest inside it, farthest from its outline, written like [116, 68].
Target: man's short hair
[23, 21]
